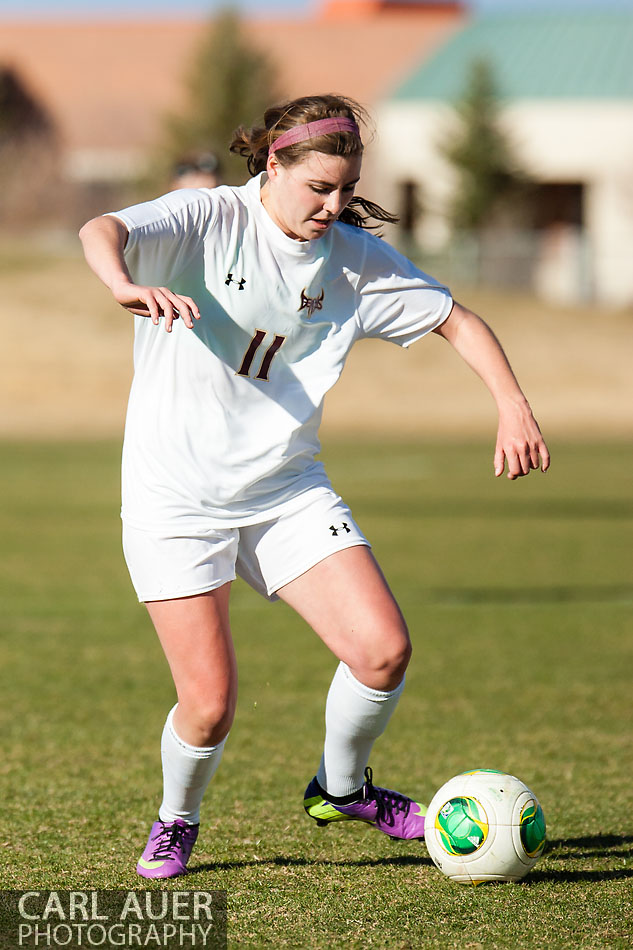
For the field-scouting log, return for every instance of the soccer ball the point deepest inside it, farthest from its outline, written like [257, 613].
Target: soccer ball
[484, 826]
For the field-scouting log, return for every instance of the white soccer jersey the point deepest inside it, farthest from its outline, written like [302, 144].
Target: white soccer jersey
[222, 424]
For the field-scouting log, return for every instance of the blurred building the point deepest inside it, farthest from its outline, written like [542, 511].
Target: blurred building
[566, 87]
[567, 96]
[109, 84]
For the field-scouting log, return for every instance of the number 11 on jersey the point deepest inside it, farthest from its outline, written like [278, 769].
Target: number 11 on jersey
[258, 338]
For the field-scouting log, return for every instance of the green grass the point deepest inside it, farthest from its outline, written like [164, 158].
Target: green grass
[519, 597]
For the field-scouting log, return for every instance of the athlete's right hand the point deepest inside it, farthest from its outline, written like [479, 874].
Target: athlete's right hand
[156, 302]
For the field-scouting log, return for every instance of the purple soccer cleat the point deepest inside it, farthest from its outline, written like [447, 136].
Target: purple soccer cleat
[167, 850]
[388, 811]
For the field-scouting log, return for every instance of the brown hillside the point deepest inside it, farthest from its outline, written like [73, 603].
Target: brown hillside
[65, 364]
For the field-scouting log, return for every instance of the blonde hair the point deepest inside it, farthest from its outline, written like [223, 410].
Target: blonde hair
[254, 144]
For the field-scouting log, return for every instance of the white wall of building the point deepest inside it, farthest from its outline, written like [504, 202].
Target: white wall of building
[590, 142]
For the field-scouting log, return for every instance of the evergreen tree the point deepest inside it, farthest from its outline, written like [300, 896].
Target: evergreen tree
[29, 155]
[491, 184]
[230, 84]
[22, 117]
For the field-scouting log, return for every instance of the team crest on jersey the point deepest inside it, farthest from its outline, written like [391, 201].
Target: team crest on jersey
[311, 303]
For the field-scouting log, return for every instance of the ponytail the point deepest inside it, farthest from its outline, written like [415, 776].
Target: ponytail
[254, 144]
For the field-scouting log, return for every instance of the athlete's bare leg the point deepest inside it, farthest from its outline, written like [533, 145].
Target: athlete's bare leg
[346, 600]
[196, 637]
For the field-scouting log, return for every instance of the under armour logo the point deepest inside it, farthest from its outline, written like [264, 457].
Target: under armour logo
[342, 527]
[311, 303]
[240, 283]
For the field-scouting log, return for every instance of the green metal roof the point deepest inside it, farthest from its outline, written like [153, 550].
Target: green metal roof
[576, 55]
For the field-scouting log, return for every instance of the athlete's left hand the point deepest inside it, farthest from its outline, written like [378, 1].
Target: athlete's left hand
[519, 442]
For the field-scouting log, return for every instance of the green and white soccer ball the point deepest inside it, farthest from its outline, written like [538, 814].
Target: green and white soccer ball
[484, 826]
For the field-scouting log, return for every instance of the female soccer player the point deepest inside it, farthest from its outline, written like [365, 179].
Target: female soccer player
[262, 290]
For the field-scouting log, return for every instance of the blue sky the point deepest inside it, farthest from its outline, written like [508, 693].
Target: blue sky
[54, 8]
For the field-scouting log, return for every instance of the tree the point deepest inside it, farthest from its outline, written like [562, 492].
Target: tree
[491, 183]
[231, 83]
[29, 155]
[22, 117]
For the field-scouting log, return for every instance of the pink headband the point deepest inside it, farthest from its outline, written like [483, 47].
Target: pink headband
[311, 130]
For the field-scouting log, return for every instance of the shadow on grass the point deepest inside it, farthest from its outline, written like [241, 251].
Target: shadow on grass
[583, 594]
[570, 509]
[561, 849]
[617, 874]
[594, 846]
[407, 860]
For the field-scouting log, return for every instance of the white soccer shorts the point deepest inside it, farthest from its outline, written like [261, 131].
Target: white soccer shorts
[266, 555]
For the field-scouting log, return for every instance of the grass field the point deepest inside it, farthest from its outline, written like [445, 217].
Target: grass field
[519, 597]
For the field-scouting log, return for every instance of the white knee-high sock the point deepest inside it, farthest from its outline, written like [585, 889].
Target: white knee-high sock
[187, 770]
[355, 715]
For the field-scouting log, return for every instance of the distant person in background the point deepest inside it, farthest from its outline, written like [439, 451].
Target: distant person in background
[201, 170]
